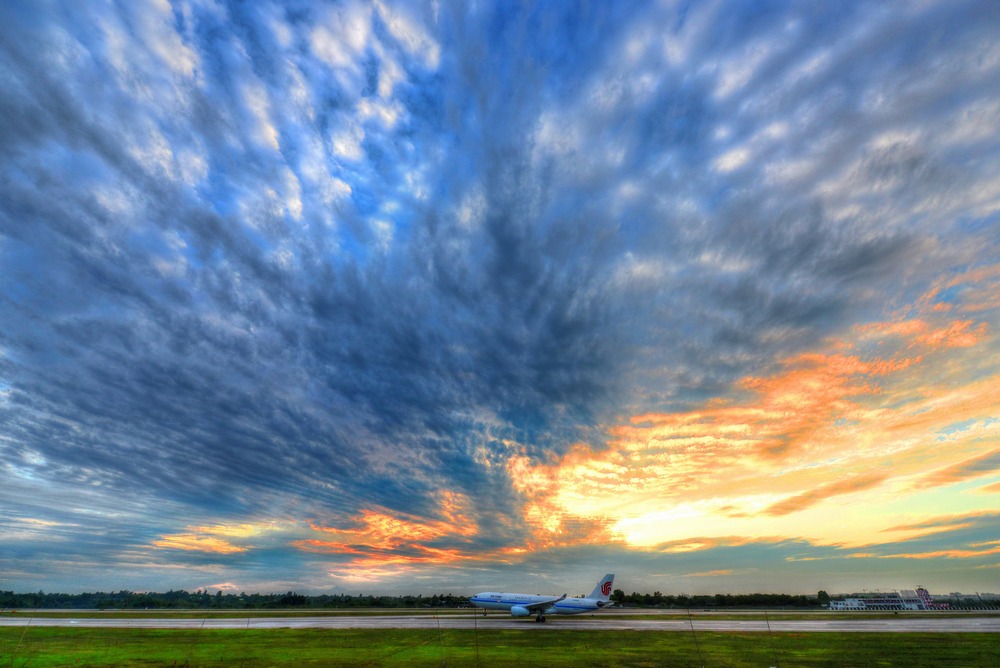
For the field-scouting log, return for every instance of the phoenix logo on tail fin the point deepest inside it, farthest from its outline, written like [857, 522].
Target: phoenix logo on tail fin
[603, 589]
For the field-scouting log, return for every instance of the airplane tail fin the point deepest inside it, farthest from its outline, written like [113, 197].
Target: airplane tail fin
[602, 592]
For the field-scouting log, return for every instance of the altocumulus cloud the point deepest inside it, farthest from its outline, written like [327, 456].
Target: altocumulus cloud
[295, 287]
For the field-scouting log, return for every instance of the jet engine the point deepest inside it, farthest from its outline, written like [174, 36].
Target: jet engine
[519, 611]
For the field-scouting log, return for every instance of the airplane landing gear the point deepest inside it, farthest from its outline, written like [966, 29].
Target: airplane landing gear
[540, 618]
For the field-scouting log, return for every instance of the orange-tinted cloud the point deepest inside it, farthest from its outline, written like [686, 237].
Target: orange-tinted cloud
[240, 530]
[377, 539]
[219, 538]
[224, 586]
[862, 420]
[369, 556]
[813, 496]
[554, 525]
[700, 543]
[382, 529]
[988, 543]
[922, 334]
[42, 523]
[945, 522]
[978, 287]
[946, 554]
[990, 489]
[198, 543]
[889, 411]
[973, 467]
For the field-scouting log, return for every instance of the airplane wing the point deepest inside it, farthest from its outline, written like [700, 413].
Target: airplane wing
[541, 605]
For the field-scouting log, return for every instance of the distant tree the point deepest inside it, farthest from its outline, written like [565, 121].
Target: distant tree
[293, 599]
[823, 598]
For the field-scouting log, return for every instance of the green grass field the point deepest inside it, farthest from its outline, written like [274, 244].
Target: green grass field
[42, 647]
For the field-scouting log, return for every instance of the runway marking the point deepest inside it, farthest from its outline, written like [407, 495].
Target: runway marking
[985, 624]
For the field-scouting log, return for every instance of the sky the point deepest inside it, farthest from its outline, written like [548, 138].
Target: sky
[379, 297]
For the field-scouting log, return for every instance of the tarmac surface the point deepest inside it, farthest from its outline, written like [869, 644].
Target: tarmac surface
[608, 621]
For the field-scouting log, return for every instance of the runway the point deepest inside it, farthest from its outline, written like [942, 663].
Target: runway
[599, 622]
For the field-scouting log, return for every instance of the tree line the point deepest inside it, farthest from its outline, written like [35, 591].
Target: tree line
[203, 599]
[658, 600]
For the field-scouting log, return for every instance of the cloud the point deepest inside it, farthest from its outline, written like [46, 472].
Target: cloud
[947, 554]
[970, 468]
[786, 445]
[823, 492]
[990, 489]
[380, 538]
[368, 267]
[941, 523]
[710, 574]
[947, 537]
[199, 543]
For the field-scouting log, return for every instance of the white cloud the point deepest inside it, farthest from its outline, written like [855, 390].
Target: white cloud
[389, 74]
[411, 35]
[292, 194]
[191, 164]
[342, 34]
[472, 209]
[255, 97]
[737, 72]
[153, 150]
[155, 32]
[384, 232]
[732, 160]
[347, 142]
[385, 114]
[335, 189]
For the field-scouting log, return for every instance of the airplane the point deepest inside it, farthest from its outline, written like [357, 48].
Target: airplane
[525, 605]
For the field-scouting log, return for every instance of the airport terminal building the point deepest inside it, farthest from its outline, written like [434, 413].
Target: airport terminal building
[907, 599]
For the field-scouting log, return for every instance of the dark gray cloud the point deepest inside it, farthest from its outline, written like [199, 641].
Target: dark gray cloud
[302, 259]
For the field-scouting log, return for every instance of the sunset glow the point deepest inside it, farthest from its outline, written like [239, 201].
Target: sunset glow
[835, 447]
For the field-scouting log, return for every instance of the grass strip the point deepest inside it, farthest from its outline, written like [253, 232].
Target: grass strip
[47, 646]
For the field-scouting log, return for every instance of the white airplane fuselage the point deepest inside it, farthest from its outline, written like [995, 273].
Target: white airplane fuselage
[526, 605]
[493, 600]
